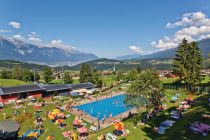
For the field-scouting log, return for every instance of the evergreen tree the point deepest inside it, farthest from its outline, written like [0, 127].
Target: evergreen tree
[96, 79]
[37, 77]
[120, 75]
[132, 75]
[17, 72]
[27, 75]
[47, 74]
[188, 63]
[138, 69]
[6, 74]
[68, 77]
[85, 74]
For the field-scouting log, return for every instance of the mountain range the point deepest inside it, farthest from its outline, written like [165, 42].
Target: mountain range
[204, 46]
[14, 49]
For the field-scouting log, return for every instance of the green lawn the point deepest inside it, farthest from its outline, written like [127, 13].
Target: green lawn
[11, 82]
[205, 79]
[168, 80]
[27, 121]
[178, 132]
[60, 81]
[109, 79]
[137, 132]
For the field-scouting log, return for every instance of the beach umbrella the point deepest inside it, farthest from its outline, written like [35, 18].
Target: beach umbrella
[119, 126]
[77, 122]
[60, 114]
[56, 111]
[36, 107]
[82, 130]
[74, 136]
[189, 98]
[49, 137]
[19, 101]
[59, 121]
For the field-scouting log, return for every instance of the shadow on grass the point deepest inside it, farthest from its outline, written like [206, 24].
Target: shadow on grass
[180, 129]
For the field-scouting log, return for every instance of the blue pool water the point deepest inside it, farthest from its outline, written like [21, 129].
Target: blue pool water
[98, 109]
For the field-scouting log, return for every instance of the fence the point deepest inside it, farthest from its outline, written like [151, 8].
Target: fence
[205, 88]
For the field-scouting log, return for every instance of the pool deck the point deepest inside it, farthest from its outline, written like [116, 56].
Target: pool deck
[109, 121]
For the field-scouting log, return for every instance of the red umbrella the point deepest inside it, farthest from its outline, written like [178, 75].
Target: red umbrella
[60, 114]
[77, 122]
[119, 126]
[189, 98]
[82, 130]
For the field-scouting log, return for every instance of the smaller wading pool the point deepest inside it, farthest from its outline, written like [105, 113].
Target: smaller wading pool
[104, 108]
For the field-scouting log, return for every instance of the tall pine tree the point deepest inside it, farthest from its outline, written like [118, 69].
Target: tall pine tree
[188, 63]
[85, 74]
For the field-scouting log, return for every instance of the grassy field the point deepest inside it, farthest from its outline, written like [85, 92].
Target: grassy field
[109, 79]
[11, 82]
[60, 81]
[27, 121]
[139, 133]
[205, 79]
[178, 132]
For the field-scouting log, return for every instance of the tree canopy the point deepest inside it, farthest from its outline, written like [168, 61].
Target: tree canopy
[47, 74]
[188, 63]
[85, 74]
[146, 89]
[68, 77]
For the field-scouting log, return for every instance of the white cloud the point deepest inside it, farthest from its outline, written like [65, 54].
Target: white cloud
[59, 44]
[33, 34]
[4, 31]
[191, 19]
[193, 27]
[136, 49]
[140, 51]
[35, 39]
[14, 24]
[18, 36]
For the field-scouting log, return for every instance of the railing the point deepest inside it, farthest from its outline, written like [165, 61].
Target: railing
[200, 88]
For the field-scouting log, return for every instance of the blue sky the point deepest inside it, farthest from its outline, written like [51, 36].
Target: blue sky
[107, 28]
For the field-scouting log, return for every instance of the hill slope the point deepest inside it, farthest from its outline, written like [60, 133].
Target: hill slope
[108, 64]
[204, 45]
[11, 63]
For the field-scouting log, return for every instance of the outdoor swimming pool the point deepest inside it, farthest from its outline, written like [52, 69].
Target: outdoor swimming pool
[98, 109]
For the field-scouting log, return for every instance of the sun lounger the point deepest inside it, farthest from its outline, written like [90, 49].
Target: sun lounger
[174, 98]
[206, 116]
[93, 128]
[202, 128]
[68, 115]
[167, 123]
[161, 130]
[110, 136]
[175, 115]
[32, 133]
[84, 124]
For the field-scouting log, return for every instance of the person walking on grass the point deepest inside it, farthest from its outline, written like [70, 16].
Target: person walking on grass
[14, 114]
[4, 116]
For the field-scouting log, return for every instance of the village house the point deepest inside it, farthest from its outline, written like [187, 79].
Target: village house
[14, 93]
[83, 88]
[10, 94]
